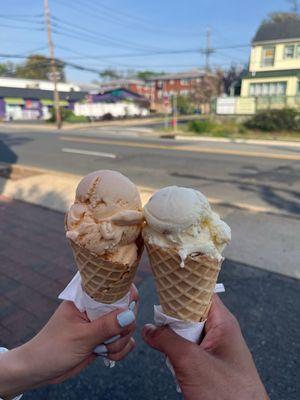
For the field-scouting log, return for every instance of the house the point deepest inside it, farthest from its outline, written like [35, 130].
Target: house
[30, 104]
[116, 102]
[273, 80]
[181, 83]
[134, 85]
[159, 89]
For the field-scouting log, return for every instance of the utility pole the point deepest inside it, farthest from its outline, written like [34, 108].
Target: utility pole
[53, 64]
[208, 51]
[174, 122]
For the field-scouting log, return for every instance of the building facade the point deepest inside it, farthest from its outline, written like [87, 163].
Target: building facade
[25, 103]
[181, 83]
[274, 69]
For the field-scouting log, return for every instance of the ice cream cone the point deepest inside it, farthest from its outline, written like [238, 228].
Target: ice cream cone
[184, 292]
[103, 280]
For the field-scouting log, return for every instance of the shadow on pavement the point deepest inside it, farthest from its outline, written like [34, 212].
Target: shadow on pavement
[283, 199]
[8, 156]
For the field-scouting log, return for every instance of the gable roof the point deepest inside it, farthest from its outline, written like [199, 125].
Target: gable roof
[271, 31]
[178, 75]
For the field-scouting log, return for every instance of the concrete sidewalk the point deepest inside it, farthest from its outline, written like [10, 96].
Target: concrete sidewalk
[36, 263]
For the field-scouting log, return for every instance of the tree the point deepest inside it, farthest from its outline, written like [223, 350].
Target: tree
[38, 67]
[145, 75]
[109, 74]
[232, 79]
[184, 105]
[7, 69]
[281, 17]
[210, 86]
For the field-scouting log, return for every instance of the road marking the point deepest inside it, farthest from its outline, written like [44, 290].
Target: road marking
[208, 150]
[88, 153]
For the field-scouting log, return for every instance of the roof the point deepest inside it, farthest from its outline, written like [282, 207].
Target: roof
[178, 75]
[271, 31]
[273, 74]
[39, 94]
[117, 94]
[121, 82]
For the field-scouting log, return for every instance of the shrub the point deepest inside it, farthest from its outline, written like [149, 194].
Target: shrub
[184, 105]
[67, 115]
[275, 120]
[201, 126]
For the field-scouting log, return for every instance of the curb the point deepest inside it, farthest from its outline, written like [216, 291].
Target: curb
[278, 143]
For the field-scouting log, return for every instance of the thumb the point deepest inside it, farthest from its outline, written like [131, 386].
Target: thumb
[117, 322]
[168, 342]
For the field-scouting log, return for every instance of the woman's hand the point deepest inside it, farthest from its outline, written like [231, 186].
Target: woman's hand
[221, 367]
[65, 346]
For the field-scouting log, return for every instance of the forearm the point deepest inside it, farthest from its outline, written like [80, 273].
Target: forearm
[15, 373]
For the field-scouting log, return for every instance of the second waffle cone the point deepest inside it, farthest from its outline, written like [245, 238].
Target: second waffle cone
[184, 293]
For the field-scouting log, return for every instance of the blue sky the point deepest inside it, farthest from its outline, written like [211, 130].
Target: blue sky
[126, 34]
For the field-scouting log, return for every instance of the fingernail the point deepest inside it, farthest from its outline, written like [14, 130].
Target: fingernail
[112, 339]
[132, 305]
[101, 349]
[126, 318]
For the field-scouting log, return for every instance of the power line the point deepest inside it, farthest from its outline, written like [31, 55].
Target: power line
[96, 35]
[27, 28]
[118, 20]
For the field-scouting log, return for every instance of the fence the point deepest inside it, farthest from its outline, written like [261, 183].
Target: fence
[250, 105]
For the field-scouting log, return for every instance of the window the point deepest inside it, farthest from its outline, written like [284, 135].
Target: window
[268, 56]
[171, 82]
[184, 81]
[297, 51]
[289, 51]
[267, 89]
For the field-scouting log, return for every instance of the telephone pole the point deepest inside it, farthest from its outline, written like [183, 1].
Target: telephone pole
[53, 64]
[208, 51]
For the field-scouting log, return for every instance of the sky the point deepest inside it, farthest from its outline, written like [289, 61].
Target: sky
[159, 35]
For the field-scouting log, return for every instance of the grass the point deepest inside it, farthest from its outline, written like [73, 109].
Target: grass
[232, 130]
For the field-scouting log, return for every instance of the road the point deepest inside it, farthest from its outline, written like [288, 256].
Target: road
[256, 187]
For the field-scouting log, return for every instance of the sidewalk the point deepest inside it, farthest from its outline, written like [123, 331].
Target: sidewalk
[36, 263]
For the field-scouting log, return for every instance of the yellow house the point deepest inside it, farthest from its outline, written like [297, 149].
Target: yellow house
[273, 80]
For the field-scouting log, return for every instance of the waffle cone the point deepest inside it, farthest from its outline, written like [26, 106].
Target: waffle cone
[103, 280]
[184, 293]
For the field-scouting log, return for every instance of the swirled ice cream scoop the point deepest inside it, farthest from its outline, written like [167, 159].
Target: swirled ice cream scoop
[182, 218]
[106, 217]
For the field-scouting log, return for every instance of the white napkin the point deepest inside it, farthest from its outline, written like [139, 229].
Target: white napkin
[94, 309]
[188, 330]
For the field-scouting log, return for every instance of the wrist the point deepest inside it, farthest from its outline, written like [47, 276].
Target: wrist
[15, 373]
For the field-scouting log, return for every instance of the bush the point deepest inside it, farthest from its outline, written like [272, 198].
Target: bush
[184, 105]
[275, 120]
[201, 126]
[67, 115]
